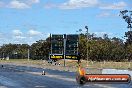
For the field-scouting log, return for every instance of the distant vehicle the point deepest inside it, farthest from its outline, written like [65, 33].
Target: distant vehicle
[54, 62]
[50, 61]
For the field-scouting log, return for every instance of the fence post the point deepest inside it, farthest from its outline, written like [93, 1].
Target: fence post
[101, 64]
[129, 65]
[120, 64]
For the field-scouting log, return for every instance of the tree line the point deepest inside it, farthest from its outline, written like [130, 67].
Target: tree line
[99, 49]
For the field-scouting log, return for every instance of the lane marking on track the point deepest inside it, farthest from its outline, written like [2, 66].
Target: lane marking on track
[61, 78]
[53, 76]
[103, 86]
[21, 70]
[7, 82]
[35, 73]
[3, 87]
[17, 69]
[3, 67]
[9, 68]
[39, 86]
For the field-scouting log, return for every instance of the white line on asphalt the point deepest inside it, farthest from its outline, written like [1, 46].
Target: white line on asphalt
[53, 76]
[40, 86]
[10, 68]
[17, 69]
[3, 87]
[35, 73]
[22, 70]
[104, 86]
[61, 77]
[7, 82]
[4, 67]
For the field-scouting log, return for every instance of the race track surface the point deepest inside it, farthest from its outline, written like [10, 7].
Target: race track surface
[12, 76]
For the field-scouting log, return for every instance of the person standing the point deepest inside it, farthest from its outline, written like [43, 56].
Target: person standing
[79, 58]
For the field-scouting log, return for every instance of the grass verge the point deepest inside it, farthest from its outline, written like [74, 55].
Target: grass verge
[70, 64]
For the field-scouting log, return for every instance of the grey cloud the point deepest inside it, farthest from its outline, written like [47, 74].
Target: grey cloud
[34, 33]
[118, 5]
[19, 4]
[106, 14]
[77, 4]
[17, 32]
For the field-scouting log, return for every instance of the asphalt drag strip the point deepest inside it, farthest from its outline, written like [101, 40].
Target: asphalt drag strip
[12, 76]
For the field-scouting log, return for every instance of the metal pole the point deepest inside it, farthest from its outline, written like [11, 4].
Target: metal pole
[3, 56]
[87, 43]
[28, 54]
[51, 43]
[79, 32]
[50, 52]
[79, 39]
[64, 49]
[77, 47]
[78, 43]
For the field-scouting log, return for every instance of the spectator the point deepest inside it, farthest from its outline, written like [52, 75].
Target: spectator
[79, 58]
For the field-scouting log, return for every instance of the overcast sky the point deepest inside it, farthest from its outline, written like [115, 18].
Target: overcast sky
[26, 21]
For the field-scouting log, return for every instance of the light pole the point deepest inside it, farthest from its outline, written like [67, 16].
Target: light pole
[3, 56]
[87, 43]
[64, 49]
[79, 31]
[51, 43]
[28, 54]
